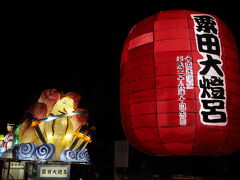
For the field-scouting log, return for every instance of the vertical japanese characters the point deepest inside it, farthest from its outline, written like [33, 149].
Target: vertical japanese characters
[185, 82]
[211, 78]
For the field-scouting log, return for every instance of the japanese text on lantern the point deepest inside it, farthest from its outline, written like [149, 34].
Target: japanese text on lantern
[211, 78]
[184, 72]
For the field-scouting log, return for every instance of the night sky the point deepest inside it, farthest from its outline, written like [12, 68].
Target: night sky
[76, 48]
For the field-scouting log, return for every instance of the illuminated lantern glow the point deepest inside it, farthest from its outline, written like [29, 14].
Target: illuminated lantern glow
[180, 84]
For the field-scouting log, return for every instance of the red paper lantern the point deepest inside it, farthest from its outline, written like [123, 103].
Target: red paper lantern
[180, 85]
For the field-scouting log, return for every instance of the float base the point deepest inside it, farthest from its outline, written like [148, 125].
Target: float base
[39, 171]
[52, 170]
[13, 170]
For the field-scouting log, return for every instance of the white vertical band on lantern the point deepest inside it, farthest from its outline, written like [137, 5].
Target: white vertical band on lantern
[211, 77]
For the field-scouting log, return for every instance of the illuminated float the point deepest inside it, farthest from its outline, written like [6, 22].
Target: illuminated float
[180, 85]
[55, 129]
[51, 139]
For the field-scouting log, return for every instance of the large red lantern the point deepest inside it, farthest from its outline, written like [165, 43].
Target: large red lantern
[180, 85]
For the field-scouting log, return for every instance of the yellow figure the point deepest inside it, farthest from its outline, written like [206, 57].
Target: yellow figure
[59, 132]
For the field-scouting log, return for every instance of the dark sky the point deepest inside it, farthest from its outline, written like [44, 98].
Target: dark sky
[76, 48]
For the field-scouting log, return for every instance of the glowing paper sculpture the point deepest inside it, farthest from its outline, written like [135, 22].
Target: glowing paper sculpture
[180, 85]
[8, 143]
[9, 137]
[16, 135]
[51, 126]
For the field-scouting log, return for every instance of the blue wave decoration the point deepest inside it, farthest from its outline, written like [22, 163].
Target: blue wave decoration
[68, 156]
[25, 151]
[44, 152]
[83, 156]
[30, 151]
[75, 156]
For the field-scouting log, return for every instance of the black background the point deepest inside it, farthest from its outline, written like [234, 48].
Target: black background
[77, 47]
